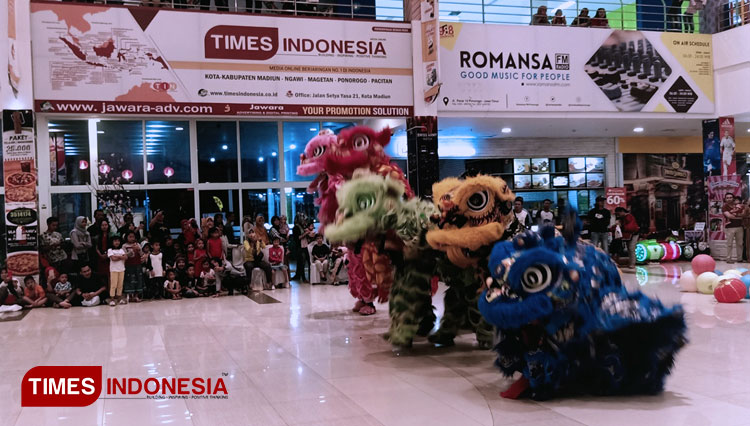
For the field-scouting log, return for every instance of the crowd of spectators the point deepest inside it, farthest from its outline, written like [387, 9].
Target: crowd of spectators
[582, 20]
[99, 264]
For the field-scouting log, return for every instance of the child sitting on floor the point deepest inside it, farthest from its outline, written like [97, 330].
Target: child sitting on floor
[172, 288]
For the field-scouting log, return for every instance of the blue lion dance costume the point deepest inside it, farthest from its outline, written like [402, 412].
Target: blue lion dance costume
[565, 320]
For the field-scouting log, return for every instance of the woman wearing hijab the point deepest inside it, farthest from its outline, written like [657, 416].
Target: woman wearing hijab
[260, 229]
[81, 240]
[101, 244]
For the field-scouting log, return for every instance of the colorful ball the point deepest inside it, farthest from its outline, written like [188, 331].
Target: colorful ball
[688, 282]
[706, 282]
[703, 263]
[733, 272]
[746, 280]
[730, 290]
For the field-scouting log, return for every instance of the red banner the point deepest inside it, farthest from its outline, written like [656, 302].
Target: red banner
[728, 146]
[61, 386]
[615, 197]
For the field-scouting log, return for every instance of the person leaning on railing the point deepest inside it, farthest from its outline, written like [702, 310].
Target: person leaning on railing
[540, 17]
[559, 19]
[582, 20]
[600, 20]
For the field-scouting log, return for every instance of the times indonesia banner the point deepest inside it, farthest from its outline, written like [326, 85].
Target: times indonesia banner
[131, 60]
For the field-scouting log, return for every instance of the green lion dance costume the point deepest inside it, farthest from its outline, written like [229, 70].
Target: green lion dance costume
[372, 207]
[475, 213]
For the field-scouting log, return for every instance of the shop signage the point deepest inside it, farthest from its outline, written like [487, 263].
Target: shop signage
[115, 60]
[20, 175]
[571, 69]
[615, 197]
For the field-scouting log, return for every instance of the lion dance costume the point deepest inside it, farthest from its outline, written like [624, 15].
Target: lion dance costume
[336, 159]
[567, 323]
[373, 206]
[475, 213]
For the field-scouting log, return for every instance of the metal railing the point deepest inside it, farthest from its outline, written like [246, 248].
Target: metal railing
[327, 8]
[734, 14]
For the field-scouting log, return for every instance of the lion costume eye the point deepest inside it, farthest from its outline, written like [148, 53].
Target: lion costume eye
[478, 201]
[536, 278]
[365, 201]
[361, 142]
[319, 150]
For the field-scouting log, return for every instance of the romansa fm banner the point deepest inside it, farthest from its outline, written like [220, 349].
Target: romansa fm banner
[132, 60]
[496, 68]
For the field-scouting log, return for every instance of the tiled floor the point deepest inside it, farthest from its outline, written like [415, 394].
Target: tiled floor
[309, 360]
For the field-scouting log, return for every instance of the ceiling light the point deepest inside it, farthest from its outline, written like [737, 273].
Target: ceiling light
[225, 147]
[261, 159]
[101, 132]
[273, 154]
[293, 146]
[313, 129]
[506, 130]
[212, 159]
[179, 129]
[638, 129]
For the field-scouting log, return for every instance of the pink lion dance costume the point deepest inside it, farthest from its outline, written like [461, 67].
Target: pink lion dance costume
[336, 159]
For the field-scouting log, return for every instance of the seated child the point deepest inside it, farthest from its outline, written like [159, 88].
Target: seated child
[63, 292]
[190, 287]
[276, 255]
[172, 287]
[33, 293]
[338, 259]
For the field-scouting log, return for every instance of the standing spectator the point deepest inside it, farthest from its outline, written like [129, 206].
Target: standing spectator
[674, 16]
[159, 232]
[254, 255]
[582, 20]
[260, 229]
[206, 224]
[81, 240]
[190, 232]
[199, 256]
[133, 284]
[733, 227]
[117, 258]
[320, 256]
[629, 228]
[214, 245]
[127, 220]
[101, 242]
[559, 19]
[99, 217]
[540, 17]
[247, 223]
[88, 288]
[172, 288]
[545, 216]
[221, 5]
[300, 252]
[170, 253]
[599, 218]
[51, 243]
[522, 215]
[600, 19]
[33, 294]
[229, 229]
[284, 228]
[11, 293]
[156, 270]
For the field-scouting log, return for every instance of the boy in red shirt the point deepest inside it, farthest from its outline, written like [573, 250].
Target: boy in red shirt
[276, 254]
[33, 293]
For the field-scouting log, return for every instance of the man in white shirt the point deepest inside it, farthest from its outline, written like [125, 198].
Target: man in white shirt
[545, 216]
[522, 215]
[727, 153]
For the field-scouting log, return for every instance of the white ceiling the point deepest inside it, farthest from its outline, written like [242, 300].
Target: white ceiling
[565, 127]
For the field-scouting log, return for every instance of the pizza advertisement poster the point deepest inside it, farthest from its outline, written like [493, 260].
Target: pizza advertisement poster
[20, 175]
